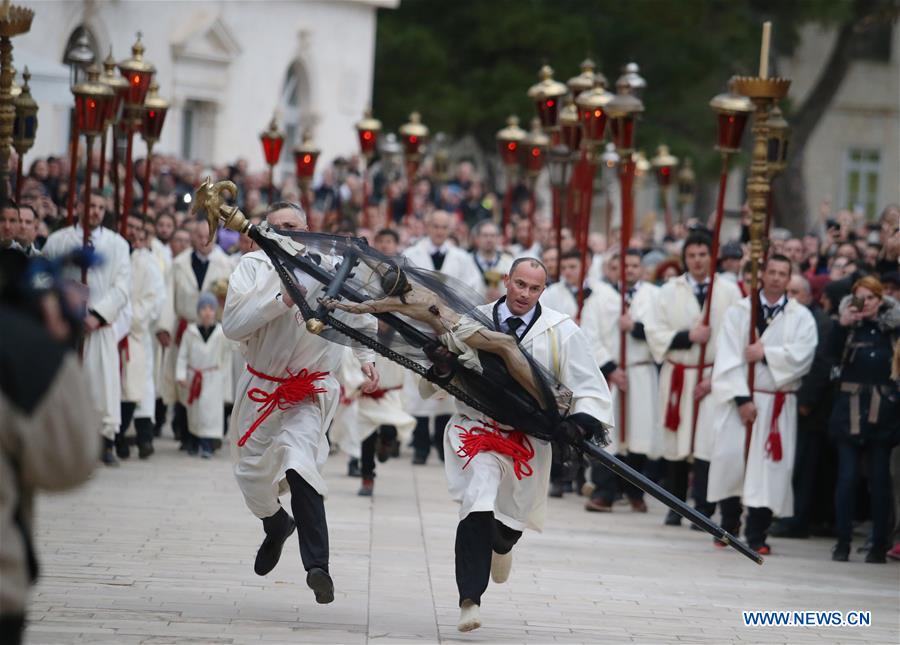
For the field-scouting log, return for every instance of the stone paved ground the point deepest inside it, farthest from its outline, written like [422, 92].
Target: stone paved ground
[162, 552]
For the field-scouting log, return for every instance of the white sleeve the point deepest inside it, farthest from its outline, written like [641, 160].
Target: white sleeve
[791, 360]
[251, 301]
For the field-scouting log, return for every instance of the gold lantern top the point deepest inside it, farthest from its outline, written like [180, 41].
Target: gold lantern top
[154, 101]
[116, 82]
[547, 87]
[632, 78]
[368, 122]
[778, 133]
[585, 80]
[663, 158]
[624, 103]
[536, 138]
[512, 131]
[14, 20]
[137, 63]
[731, 102]
[414, 127]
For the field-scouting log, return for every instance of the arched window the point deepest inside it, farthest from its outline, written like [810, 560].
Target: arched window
[294, 111]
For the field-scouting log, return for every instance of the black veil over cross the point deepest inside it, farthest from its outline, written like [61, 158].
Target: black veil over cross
[493, 391]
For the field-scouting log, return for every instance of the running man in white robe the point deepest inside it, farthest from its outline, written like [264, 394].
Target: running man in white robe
[503, 492]
[782, 355]
[110, 291]
[147, 298]
[284, 404]
[675, 331]
[203, 368]
[602, 322]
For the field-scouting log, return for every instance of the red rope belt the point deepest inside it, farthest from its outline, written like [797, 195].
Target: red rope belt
[773, 440]
[380, 394]
[179, 331]
[291, 390]
[489, 438]
[196, 387]
[676, 389]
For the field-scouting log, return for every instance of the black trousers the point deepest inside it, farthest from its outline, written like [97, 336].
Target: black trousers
[758, 522]
[699, 483]
[308, 508]
[367, 458]
[161, 410]
[477, 536]
[677, 478]
[606, 484]
[731, 509]
[180, 424]
[422, 442]
[12, 626]
[143, 426]
[877, 457]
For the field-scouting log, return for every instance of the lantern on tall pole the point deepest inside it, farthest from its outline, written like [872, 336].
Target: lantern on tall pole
[547, 94]
[779, 137]
[305, 157]
[24, 127]
[533, 154]
[509, 139]
[559, 166]
[272, 140]
[764, 92]
[152, 119]
[91, 107]
[14, 21]
[138, 72]
[367, 129]
[623, 111]
[732, 111]
[413, 135]
[687, 186]
[664, 164]
[609, 163]
[119, 86]
[78, 57]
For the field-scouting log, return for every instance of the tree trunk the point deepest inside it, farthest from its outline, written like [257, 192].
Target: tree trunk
[789, 201]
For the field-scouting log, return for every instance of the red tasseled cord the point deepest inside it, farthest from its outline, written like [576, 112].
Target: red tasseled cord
[196, 386]
[290, 391]
[773, 441]
[514, 445]
[673, 409]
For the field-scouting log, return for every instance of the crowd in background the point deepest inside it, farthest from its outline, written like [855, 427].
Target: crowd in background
[837, 251]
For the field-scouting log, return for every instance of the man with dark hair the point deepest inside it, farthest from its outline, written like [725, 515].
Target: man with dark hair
[9, 226]
[675, 332]
[563, 295]
[110, 295]
[28, 230]
[781, 355]
[492, 262]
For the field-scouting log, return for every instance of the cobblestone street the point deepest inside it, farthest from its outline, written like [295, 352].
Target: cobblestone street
[162, 552]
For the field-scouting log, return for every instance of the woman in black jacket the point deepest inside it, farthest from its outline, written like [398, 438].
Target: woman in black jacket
[865, 420]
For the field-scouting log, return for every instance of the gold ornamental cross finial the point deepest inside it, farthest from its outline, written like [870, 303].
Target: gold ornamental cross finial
[208, 201]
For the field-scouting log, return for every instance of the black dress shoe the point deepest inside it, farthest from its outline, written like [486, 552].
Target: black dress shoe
[876, 555]
[108, 458]
[672, 519]
[320, 582]
[123, 451]
[145, 450]
[556, 489]
[840, 552]
[279, 528]
[419, 460]
[353, 468]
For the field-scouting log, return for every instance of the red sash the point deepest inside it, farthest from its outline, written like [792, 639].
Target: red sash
[179, 331]
[196, 387]
[490, 438]
[676, 389]
[773, 440]
[291, 390]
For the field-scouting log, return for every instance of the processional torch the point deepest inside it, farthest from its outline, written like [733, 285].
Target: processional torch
[732, 111]
[764, 92]
[24, 127]
[508, 141]
[152, 119]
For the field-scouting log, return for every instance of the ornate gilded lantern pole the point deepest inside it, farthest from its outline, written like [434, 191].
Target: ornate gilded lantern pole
[120, 87]
[24, 128]
[533, 153]
[414, 134]
[138, 73]
[367, 129]
[582, 183]
[272, 141]
[508, 141]
[152, 119]
[91, 106]
[14, 21]
[764, 92]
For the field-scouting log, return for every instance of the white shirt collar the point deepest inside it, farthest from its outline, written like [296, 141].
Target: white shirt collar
[432, 249]
[692, 281]
[504, 314]
[765, 301]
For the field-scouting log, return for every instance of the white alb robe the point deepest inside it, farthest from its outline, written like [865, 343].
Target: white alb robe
[109, 285]
[558, 296]
[147, 299]
[790, 344]
[274, 340]
[212, 359]
[488, 482]
[600, 323]
[677, 310]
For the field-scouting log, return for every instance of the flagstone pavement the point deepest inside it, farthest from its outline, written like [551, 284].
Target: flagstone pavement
[162, 551]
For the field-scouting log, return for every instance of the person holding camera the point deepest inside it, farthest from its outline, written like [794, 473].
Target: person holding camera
[865, 421]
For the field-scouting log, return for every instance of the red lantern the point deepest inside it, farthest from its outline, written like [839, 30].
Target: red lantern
[305, 157]
[368, 129]
[664, 163]
[153, 115]
[414, 134]
[732, 112]
[137, 73]
[508, 141]
[534, 149]
[547, 95]
[272, 142]
[118, 85]
[92, 99]
[570, 130]
[592, 112]
[623, 111]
